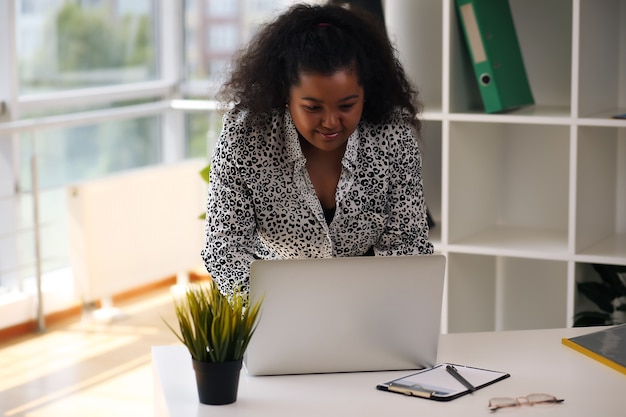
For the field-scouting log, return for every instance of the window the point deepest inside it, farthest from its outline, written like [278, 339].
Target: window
[222, 38]
[87, 89]
[64, 44]
[221, 8]
[80, 153]
[223, 27]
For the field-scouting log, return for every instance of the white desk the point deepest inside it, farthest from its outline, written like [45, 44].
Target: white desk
[536, 360]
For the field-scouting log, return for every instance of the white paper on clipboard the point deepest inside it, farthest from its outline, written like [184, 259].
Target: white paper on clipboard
[438, 384]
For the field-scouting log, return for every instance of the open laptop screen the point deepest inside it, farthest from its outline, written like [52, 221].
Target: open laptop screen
[346, 314]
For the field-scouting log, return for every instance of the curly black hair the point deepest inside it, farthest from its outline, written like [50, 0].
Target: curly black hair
[321, 39]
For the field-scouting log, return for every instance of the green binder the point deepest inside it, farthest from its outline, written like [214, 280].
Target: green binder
[496, 56]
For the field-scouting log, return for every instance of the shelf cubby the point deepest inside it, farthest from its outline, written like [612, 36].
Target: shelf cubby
[431, 169]
[601, 193]
[503, 193]
[602, 59]
[487, 293]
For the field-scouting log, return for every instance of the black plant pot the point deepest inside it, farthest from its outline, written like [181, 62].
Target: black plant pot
[217, 382]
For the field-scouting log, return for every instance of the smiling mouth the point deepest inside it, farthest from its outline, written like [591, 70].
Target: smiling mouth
[330, 135]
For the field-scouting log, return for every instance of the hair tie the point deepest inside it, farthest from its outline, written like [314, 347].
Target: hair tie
[323, 24]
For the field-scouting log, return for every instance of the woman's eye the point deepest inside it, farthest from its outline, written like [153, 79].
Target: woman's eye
[316, 108]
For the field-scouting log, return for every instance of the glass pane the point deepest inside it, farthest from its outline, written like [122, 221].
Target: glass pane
[8, 264]
[86, 152]
[65, 44]
[17, 253]
[203, 130]
[17, 247]
[197, 125]
[215, 29]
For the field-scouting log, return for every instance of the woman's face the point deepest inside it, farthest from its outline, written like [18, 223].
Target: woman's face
[327, 109]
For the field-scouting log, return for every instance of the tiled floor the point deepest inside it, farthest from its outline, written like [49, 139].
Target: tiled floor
[87, 367]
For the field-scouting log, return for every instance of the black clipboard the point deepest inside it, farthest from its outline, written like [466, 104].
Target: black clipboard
[438, 384]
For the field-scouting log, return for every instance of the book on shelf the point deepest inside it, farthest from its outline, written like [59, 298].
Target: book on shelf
[607, 346]
[496, 56]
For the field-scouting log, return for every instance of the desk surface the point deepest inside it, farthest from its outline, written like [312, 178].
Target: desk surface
[536, 359]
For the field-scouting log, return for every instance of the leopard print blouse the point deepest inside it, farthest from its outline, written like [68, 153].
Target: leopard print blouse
[262, 204]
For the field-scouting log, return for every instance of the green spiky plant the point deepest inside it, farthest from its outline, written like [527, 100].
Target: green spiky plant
[214, 327]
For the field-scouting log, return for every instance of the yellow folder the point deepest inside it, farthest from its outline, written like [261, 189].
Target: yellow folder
[607, 346]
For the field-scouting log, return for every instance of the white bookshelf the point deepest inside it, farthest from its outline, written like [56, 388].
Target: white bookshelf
[524, 201]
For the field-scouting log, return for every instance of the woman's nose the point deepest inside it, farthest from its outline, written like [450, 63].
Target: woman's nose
[330, 119]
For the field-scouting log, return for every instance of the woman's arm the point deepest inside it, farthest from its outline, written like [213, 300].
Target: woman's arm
[406, 230]
[230, 226]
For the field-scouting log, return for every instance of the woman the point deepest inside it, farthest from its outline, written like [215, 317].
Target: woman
[319, 156]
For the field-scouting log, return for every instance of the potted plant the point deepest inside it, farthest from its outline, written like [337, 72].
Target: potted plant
[608, 294]
[216, 330]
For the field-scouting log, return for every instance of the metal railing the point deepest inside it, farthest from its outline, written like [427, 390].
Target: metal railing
[32, 125]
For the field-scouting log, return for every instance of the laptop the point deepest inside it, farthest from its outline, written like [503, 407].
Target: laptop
[346, 314]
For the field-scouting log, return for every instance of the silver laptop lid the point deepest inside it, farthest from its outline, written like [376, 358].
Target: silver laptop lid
[346, 314]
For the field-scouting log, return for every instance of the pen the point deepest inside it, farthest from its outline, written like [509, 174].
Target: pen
[452, 371]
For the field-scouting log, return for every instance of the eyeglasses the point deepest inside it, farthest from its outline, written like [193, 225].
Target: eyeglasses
[530, 399]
